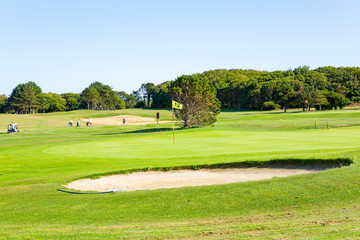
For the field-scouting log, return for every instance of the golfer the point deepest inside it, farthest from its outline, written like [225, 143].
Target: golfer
[124, 121]
[78, 123]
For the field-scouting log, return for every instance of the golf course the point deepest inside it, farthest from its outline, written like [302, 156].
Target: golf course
[47, 154]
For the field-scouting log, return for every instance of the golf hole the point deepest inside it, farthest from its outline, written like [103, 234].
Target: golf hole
[149, 180]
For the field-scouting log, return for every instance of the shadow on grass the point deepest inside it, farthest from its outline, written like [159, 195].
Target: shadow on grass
[300, 111]
[149, 130]
[306, 164]
[260, 112]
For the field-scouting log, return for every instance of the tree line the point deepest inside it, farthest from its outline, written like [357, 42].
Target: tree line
[28, 98]
[321, 88]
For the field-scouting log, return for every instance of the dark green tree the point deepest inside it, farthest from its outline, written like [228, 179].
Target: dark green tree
[101, 97]
[91, 97]
[131, 100]
[318, 100]
[161, 96]
[54, 103]
[107, 98]
[335, 100]
[3, 103]
[198, 97]
[286, 92]
[301, 70]
[26, 98]
[73, 100]
[146, 91]
[119, 103]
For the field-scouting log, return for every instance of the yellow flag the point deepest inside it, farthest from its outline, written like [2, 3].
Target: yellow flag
[176, 105]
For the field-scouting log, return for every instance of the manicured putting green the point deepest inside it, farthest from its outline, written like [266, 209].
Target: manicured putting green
[218, 143]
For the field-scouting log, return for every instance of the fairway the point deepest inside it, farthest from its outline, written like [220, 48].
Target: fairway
[47, 154]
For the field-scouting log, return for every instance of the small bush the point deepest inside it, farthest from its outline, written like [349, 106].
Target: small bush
[270, 105]
[335, 100]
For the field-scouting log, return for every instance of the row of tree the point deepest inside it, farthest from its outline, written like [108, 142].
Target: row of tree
[29, 98]
[322, 88]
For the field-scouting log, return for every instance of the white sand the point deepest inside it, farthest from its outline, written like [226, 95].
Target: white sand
[181, 178]
[118, 120]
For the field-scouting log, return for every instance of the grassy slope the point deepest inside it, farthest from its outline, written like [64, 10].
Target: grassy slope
[46, 154]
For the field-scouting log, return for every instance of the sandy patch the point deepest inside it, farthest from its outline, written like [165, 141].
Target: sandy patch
[182, 178]
[118, 120]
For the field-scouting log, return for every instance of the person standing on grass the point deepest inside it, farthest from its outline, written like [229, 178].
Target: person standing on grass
[124, 120]
[90, 122]
[78, 123]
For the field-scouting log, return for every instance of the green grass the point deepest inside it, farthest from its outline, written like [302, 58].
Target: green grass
[46, 154]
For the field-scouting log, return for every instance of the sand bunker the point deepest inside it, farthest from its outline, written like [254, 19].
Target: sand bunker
[182, 178]
[118, 120]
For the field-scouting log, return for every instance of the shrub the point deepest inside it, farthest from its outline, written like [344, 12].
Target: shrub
[336, 100]
[270, 105]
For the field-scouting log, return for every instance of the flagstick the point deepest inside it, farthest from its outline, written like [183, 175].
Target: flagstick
[173, 125]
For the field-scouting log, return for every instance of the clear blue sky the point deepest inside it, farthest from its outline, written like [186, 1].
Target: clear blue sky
[65, 45]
